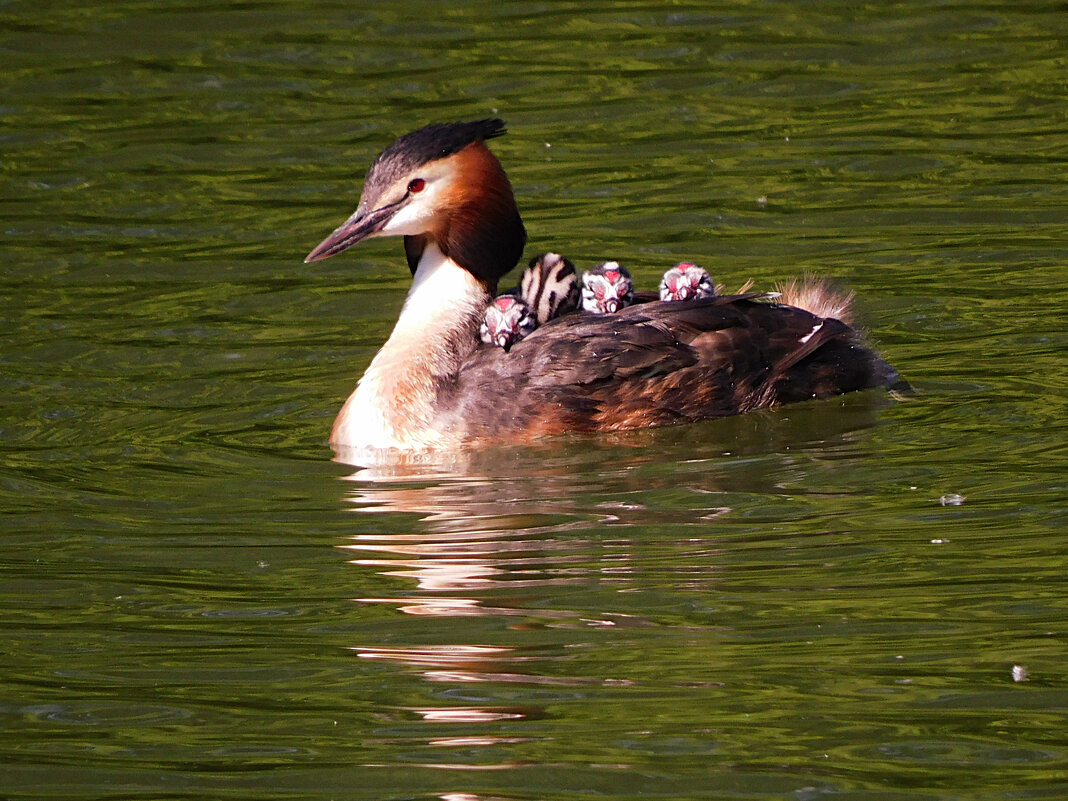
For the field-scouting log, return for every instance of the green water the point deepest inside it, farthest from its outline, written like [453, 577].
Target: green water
[824, 600]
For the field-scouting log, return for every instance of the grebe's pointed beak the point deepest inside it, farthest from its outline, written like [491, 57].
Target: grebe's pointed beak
[356, 228]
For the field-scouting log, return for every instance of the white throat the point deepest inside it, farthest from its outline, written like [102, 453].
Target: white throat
[394, 403]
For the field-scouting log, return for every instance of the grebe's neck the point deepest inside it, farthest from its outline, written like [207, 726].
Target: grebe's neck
[393, 405]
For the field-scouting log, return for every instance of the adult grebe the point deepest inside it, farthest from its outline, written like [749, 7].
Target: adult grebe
[434, 385]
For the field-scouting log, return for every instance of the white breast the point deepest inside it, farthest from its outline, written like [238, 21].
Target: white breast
[393, 404]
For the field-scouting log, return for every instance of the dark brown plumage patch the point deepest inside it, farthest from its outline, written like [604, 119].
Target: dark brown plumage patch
[483, 231]
[429, 143]
[656, 364]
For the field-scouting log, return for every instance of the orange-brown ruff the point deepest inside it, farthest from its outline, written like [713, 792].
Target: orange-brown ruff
[435, 385]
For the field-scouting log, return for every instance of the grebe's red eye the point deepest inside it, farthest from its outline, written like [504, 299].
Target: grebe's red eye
[416, 185]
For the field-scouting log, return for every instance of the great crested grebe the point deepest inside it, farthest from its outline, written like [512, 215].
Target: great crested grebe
[433, 385]
[508, 319]
[686, 281]
[607, 288]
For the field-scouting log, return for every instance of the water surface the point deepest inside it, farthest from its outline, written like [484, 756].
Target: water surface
[827, 599]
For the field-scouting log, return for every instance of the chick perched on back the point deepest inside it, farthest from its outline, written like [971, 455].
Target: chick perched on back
[508, 319]
[686, 281]
[550, 287]
[607, 288]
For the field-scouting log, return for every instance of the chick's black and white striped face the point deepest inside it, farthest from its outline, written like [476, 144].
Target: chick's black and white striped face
[550, 286]
[686, 281]
[508, 319]
[607, 288]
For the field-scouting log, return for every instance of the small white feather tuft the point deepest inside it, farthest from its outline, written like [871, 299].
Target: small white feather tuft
[818, 296]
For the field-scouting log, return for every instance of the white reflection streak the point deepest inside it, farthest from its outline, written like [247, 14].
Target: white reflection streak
[452, 606]
[522, 678]
[433, 607]
[466, 714]
[447, 576]
[477, 538]
[434, 655]
[469, 742]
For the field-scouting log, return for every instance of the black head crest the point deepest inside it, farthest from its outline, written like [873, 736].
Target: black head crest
[431, 143]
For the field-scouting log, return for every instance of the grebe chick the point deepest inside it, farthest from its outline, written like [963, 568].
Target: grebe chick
[508, 319]
[433, 386]
[686, 281]
[607, 288]
[550, 286]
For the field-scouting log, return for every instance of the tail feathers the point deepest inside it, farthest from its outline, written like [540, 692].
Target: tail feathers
[818, 296]
[721, 289]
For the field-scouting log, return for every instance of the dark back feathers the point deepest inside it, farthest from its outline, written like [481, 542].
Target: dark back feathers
[657, 363]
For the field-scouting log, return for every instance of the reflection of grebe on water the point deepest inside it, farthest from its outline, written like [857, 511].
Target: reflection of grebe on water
[510, 568]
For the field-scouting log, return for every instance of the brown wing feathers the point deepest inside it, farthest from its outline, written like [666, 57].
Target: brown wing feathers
[654, 364]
